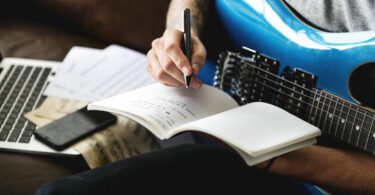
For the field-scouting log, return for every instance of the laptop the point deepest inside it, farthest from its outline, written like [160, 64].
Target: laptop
[22, 82]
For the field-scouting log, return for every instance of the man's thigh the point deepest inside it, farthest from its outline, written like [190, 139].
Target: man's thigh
[189, 168]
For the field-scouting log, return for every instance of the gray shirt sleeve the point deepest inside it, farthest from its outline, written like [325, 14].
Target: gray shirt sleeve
[337, 15]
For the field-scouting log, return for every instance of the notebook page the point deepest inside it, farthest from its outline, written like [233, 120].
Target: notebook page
[165, 108]
[256, 128]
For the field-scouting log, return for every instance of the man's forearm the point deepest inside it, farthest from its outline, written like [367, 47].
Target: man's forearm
[346, 171]
[199, 11]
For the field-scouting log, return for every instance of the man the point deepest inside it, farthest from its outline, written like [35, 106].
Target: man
[343, 170]
[193, 168]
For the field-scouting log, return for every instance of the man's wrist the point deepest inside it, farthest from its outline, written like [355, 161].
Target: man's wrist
[266, 165]
[269, 164]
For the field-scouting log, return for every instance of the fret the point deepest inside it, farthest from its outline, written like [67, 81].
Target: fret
[331, 111]
[334, 120]
[353, 124]
[327, 108]
[323, 111]
[364, 134]
[349, 120]
[310, 118]
[300, 100]
[315, 118]
[357, 127]
[370, 142]
[340, 117]
[305, 107]
[262, 96]
[279, 96]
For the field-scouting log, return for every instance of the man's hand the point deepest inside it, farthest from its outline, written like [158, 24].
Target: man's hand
[167, 63]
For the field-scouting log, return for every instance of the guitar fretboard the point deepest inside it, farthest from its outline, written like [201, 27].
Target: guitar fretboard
[343, 120]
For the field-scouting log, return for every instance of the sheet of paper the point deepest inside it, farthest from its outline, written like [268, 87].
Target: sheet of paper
[115, 144]
[75, 54]
[54, 108]
[98, 75]
[133, 74]
[69, 65]
[125, 138]
[37, 120]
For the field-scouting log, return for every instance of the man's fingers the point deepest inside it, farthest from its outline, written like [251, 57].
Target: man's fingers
[165, 62]
[198, 55]
[195, 83]
[153, 67]
[172, 45]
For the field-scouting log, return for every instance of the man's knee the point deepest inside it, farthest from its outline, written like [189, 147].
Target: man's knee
[68, 185]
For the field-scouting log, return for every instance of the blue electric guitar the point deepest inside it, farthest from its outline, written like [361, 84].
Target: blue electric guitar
[328, 79]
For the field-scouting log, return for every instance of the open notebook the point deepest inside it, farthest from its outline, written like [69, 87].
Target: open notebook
[257, 131]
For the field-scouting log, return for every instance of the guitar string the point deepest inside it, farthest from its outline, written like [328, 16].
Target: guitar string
[341, 134]
[292, 83]
[321, 110]
[323, 102]
[302, 94]
[276, 76]
[363, 129]
[366, 113]
[317, 108]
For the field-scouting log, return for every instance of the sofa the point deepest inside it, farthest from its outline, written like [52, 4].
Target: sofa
[44, 29]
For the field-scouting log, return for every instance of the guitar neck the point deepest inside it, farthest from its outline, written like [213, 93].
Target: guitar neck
[342, 119]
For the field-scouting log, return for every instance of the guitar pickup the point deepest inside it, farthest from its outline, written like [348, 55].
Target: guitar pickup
[305, 79]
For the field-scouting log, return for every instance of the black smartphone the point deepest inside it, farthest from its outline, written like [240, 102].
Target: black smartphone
[63, 132]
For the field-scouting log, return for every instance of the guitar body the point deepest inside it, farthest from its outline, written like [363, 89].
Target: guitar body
[341, 65]
[270, 28]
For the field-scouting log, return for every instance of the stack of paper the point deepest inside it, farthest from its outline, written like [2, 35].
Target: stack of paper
[93, 74]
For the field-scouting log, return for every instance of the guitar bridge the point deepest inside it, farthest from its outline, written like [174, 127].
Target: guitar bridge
[247, 76]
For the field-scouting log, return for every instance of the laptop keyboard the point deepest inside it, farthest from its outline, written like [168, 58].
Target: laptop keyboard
[21, 91]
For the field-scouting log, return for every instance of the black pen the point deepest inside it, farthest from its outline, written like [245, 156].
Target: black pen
[187, 42]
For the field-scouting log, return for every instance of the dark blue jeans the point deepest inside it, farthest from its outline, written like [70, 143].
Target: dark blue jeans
[194, 168]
